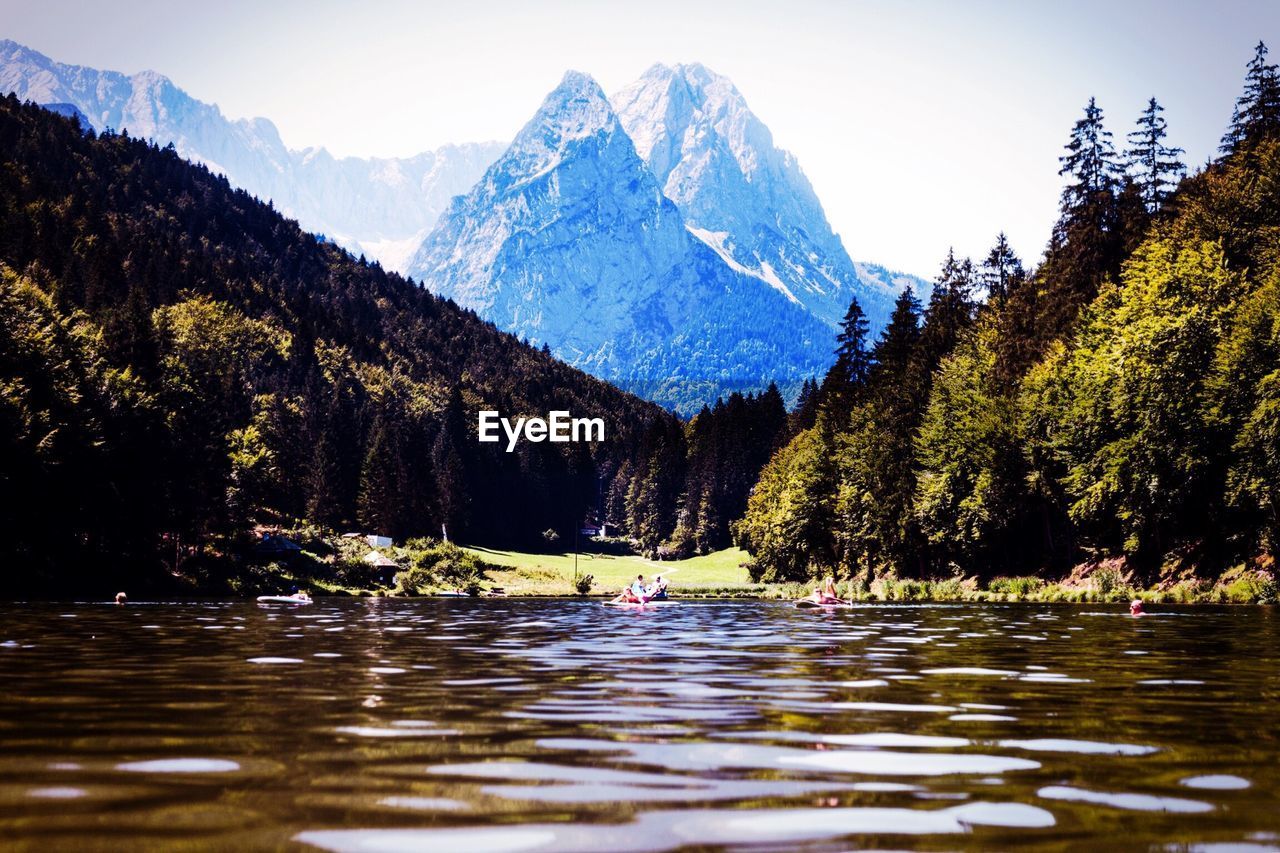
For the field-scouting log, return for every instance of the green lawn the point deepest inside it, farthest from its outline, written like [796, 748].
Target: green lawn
[552, 574]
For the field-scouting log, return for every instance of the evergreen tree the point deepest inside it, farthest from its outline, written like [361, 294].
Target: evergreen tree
[874, 529]
[1090, 165]
[805, 413]
[383, 505]
[950, 310]
[1153, 166]
[1257, 111]
[1087, 245]
[896, 348]
[853, 360]
[449, 462]
[1002, 271]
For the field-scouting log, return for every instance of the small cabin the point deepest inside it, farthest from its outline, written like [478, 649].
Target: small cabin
[376, 541]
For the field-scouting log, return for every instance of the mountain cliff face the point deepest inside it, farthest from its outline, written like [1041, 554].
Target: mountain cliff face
[379, 206]
[744, 197]
[569, 240]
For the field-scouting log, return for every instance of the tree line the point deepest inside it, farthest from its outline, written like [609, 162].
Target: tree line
[1119, 399]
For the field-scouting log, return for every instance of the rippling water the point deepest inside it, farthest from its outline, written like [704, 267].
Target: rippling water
[562, 725]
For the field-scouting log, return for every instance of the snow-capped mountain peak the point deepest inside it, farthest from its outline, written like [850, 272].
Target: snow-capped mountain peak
[746, 198]
[574, 111]
[691, 102]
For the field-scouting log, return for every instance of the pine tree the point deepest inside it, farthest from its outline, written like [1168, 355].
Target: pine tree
[950, 310]
[1257, 111]
[1154, 166]
[805, 413]
[896, 348]
[449, 462]
[852, 358]
[1087, 244]
[1090, 164]
[383, 500]
[1002, 271]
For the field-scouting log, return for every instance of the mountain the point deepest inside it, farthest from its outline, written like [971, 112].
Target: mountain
[381, 207]
[568, 240]
[743, 196]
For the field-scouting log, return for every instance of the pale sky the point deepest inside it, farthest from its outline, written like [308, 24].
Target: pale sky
[922, 125]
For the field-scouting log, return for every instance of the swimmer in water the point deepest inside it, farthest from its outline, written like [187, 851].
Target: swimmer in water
[120, 598]
[1135, 608]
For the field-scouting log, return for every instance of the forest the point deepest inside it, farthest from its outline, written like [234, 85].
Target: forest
[181, 365]
[1120, 400]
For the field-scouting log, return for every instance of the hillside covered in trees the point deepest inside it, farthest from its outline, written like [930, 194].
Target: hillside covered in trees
[1120, 400]
[179, 363]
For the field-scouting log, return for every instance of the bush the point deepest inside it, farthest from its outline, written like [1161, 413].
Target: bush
[1188, 591]
[951, 589]
[583, 584]
[1019, 587]
[1247, 589]
[434, 565]
[1108, 583]
[353, 572]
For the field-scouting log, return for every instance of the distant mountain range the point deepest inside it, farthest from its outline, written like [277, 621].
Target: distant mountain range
[381, 207]
[658, 239]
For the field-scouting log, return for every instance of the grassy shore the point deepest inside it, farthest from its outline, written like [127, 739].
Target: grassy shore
[723, 574]
[331, 565]
[519, 573]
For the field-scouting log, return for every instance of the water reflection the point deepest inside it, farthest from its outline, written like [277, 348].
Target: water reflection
[563, 725]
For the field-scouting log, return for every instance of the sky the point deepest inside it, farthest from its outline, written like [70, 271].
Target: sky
[922, 125]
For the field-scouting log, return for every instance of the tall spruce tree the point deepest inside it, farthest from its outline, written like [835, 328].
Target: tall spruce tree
[1090, 166]
[1087, 244]
[853, 360]
[1002, 271]
[805, 413]
[1257, 111]
[1153, 166]
[382, 504]
[950, 309]
[896, 348]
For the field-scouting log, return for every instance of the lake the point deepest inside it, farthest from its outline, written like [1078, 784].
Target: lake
[513, 725]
